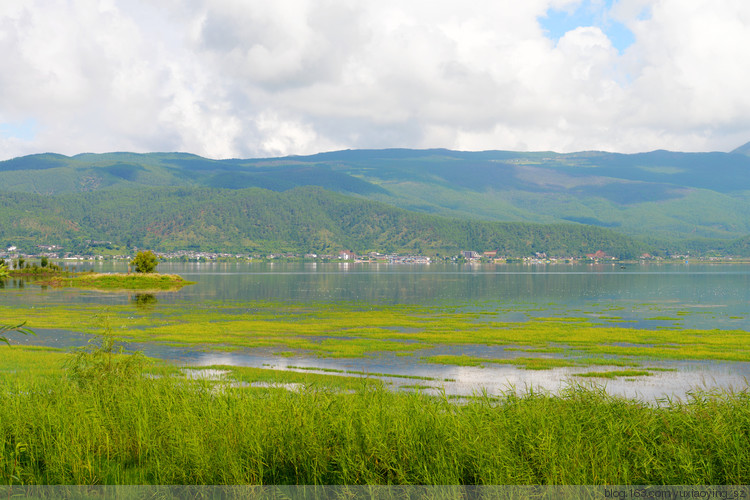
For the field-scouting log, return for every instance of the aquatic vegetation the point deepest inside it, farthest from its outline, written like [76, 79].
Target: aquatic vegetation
[343, 382]
[456, 360]
[172, 430]
[353, 330]
[549, 350]
[366, 373]
[525, 363]
[313, 368]
[615, 374]
[163, 423]
[606, 362]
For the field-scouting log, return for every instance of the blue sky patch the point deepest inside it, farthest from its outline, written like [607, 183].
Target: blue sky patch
[24, 130]
[589, 13]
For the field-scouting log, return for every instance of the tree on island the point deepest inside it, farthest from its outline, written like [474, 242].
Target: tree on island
[144, 262]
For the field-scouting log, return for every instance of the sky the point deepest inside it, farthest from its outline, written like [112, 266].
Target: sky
[260, 78]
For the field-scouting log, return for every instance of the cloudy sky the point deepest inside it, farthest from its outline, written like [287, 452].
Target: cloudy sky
[248, 78]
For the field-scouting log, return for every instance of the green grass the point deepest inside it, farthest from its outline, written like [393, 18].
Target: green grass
[174, 431]
[31, 361]
[92, 417]
[121, 281]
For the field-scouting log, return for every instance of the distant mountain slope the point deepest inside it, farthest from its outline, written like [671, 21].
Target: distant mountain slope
[743, 150]
[661, 194]
[302, 220]
[91, 172]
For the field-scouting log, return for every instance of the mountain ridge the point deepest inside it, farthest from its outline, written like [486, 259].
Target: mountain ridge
[658, 194]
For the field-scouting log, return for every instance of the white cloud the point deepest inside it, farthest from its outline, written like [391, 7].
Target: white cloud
[229, 78]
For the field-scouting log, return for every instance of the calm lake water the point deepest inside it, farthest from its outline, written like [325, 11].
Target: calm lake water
[705, 296]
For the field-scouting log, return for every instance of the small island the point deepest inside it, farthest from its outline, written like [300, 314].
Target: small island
[143, 279]
[120, 281]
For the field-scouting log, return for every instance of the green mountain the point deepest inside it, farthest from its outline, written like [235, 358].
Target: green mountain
[308, 219]
[663, 197]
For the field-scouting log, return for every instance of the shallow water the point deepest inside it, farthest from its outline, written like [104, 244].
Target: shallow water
[677, 380]
[498, 379]
[641, 295]
[703, 296]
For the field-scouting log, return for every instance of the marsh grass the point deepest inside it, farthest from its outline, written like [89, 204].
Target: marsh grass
[106, 419]
[31, 361]
[175, 431]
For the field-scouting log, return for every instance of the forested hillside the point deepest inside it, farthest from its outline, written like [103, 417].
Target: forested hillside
[302, 220]
[664, 197]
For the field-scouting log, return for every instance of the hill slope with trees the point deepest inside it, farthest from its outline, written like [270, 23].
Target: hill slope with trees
[660, 196]
[306, 219]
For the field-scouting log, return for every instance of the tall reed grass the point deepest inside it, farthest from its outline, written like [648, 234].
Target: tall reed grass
[129, 429]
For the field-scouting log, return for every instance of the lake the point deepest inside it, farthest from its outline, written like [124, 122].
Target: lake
[646, 296]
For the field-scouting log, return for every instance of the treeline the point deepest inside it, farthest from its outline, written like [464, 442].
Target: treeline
[704, 247]
[305, 219]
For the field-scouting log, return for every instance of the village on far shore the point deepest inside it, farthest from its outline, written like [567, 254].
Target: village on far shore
[12, 254]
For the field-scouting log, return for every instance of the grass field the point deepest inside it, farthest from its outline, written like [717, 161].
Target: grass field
[95, 416]
[99, 420]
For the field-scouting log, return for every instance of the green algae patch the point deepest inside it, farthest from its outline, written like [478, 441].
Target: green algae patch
[525, 363]
[120, 281]
[455, 360]
[350, 330]
[547, 350]
[340, 382]
[615, 374]
[607, 362]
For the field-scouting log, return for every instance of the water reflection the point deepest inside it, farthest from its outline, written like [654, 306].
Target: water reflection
[714, 296]
[669, 378]
[695, 296]
[144, 301]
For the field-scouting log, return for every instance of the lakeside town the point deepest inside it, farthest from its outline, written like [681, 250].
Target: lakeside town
[13, 254]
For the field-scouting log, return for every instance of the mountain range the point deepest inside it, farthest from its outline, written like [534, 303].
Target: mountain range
[698, 201]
